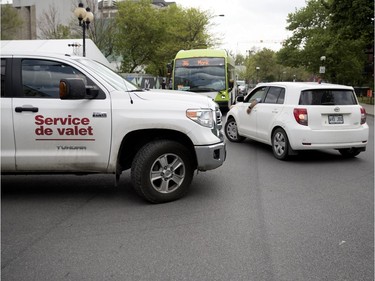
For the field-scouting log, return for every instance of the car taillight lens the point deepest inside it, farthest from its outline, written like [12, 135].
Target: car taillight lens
[300, 114]
[363, 116]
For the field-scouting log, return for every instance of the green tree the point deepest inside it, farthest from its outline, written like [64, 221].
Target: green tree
[140, 33]
[10, 22]
[340, 30]
[184, 29]
[150, 38]
[353, 25]
[240, 59]
[262, 66]
[309, 40]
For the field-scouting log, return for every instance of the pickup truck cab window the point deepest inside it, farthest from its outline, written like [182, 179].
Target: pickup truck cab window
[3, 66]
[41, 78]
[118, 82]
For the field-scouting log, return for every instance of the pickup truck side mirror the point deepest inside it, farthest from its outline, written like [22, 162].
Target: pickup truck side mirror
[75, 89]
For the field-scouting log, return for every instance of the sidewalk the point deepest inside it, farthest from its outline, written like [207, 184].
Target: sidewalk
[369, 108]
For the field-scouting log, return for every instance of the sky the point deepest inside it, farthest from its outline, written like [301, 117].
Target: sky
[248, 24]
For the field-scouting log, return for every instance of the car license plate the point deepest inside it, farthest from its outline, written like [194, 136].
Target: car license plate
[335, 119]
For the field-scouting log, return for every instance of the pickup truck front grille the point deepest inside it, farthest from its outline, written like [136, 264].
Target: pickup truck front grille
[219, 118]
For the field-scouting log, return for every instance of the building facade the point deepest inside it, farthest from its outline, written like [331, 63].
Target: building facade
[34, 13]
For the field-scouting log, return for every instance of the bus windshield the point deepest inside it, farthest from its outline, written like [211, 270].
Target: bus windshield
[200, 74]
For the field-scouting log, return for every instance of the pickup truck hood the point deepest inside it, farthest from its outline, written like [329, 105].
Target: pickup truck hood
[187, 98]
[210, 94]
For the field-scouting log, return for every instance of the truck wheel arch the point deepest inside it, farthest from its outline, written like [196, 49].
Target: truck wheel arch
[135, 140]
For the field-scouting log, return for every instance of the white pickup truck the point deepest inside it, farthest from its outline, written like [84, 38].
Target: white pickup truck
[66, 114]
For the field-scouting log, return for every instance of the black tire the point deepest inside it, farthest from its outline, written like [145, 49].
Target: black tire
[280, 144]
[349, 152]
[231, 131]
[162, 171]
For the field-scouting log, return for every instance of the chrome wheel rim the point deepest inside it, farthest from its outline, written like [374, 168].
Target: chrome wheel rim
[167, 173]
[279, 143]
[232, 130]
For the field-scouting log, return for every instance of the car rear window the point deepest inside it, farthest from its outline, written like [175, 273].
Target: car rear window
[327, 97]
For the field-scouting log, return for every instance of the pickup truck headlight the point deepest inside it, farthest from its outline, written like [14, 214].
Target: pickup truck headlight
[204, 117]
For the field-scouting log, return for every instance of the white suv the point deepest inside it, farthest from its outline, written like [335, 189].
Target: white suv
[300, 116]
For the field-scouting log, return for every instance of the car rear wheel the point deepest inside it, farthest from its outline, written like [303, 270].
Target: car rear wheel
[349, 152]
[231, 131]
[280, 144]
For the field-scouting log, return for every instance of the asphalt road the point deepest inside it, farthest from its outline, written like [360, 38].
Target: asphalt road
[254, 218]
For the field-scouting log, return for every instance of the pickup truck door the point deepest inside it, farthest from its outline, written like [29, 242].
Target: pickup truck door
[55, 135]
[8, 159]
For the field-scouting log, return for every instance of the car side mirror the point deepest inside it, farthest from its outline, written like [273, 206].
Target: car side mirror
[240, 99]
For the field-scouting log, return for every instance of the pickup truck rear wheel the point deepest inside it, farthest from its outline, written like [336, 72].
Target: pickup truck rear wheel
[162, 171]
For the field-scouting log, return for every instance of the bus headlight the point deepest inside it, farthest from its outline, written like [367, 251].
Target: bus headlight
[204, 117]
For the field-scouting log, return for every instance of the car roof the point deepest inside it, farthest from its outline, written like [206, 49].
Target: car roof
[306, 85]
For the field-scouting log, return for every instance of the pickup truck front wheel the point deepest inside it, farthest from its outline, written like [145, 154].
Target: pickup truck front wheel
[162, 171]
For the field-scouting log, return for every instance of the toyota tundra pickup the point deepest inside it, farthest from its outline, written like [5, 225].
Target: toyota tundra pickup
[67, 114]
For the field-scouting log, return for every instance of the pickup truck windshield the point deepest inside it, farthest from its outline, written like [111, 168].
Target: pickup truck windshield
[118, 82]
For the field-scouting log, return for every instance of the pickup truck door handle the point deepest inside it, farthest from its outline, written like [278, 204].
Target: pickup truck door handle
[32, 109]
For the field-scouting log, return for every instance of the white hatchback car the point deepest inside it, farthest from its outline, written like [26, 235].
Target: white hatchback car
[292, 116]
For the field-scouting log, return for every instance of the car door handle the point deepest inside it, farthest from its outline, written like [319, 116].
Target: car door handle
[21, 109]
[275, 111]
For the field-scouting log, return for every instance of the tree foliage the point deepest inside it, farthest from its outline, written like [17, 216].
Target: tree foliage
[262, 66]
[339, 30]
[10, 22]
[151, 37]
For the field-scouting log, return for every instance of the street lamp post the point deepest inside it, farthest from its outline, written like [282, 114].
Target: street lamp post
[322, 68]
[85, 16]
[257, 69]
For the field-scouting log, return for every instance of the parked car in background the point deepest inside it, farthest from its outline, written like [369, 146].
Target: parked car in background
[300, 116]
[242, 88]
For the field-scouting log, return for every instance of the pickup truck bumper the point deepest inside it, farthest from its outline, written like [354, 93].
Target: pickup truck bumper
[210, 156]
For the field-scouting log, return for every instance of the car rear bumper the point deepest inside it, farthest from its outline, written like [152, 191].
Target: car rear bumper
[321, 139]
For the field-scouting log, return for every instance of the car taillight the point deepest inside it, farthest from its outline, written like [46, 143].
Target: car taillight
[363, 116]
[300, 114]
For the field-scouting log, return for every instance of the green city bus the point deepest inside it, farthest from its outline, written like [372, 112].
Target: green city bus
[205, 71]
